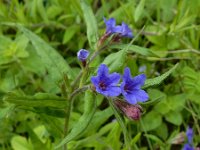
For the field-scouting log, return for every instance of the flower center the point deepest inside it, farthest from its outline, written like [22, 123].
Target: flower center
[126, 88]
[102, 85]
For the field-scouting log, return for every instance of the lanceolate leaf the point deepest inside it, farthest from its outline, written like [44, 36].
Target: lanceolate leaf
[134, 49]
[139, 10]
[158, 80]
[82, 124]
[55, 64]
[38, 100]
[90, 20]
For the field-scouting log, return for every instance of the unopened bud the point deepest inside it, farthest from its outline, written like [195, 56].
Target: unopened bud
[83, 55]
[132, 112]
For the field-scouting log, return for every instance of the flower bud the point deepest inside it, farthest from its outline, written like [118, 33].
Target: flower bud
[133, 112]
[82, 54]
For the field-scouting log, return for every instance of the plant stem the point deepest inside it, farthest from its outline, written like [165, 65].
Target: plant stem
[68, 110]
[121, 123]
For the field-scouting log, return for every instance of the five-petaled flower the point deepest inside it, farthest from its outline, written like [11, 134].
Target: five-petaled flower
[131, 87]
[83, 54]
[121, 30]
[106, 83]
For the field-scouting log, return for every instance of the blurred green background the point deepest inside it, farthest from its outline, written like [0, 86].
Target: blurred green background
[40, 38]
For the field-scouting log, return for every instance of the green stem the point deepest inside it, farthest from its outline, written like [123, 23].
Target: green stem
[69, 109]
[149, 143]
[121, 123]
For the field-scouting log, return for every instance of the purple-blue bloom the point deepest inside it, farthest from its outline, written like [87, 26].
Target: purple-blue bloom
[131, 87]
[106, 83]
[110, 25]
[123, 30]
[188, 147]
[82, 54]
[126, 31]
[189, 134]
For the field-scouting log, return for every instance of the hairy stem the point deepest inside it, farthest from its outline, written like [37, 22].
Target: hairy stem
[121, 123]
[68, 109]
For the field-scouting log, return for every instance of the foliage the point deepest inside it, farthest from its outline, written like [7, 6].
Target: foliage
[39, 41]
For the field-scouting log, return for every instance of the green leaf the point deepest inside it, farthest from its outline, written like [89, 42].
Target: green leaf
[177, 102]
[113, 136]
[69, 33]
[98, 120]
[151, 121]
[162, 131]
[54, 125]
[5, 111]
[115, 60]
[136, 138]
[41, 10]
[90, 20]
[39, 99]
[155, 97]
[174, 117]
[50, 111]
[139, 10]
[121, 122]
[162, 107]
[37, 143]
[158, 80]
[21, 143]
[83, 122]
[134, 49]
[12, 50]
[155, 138]
[55, 64]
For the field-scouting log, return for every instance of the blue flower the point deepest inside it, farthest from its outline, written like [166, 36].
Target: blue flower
[125, 31]
[106, 83]
[188, 147]
[131, 87]
[189, 134]
[83, 54]
[122, 31]
[110, 25]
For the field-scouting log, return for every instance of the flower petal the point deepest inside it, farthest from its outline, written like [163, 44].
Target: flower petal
[130, 98]
[114, 78]
[103, 71]
[126, 31]
[117, 29]
[110, 24]
[189, 134]
[139, 80]
[127, 74]
[112, 91]
[95, 80]
[188, 147]
[140, 95]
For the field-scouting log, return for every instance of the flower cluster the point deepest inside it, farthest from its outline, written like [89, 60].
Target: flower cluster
[122, 30]
[107, 84]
